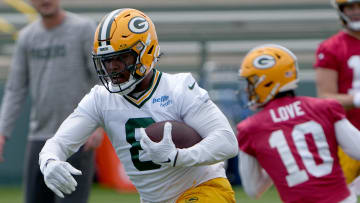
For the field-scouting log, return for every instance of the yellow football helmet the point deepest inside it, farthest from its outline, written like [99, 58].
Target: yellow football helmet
[124, 31]
[346, 20]
[268, 69]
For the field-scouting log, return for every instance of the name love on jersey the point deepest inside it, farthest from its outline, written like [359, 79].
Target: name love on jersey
[284, 113]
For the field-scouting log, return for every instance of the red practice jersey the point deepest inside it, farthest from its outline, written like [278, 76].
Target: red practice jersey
[293, 139]
[341, 53]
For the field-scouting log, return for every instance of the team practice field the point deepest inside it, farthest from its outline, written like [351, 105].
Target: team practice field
[100, 194]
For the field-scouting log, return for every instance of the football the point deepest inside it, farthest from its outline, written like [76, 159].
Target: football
[183, 135]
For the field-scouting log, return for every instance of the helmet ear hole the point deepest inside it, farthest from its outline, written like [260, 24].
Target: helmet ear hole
[151, 49]
[268, 84]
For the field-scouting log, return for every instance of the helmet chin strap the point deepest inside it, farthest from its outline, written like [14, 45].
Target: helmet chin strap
[116, 88]
[125, 88]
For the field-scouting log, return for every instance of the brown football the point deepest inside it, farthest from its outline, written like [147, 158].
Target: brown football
[183, 135]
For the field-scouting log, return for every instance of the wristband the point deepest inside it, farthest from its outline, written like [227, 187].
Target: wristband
[356, 100]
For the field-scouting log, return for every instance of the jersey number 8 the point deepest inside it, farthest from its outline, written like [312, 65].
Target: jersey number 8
[130, 127]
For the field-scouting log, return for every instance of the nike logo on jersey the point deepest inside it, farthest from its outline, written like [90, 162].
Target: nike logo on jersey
[168, 161]
[192, 86]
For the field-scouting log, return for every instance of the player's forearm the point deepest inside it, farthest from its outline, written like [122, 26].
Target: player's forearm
[55, 148]
[326, 83]
[10, 109]
[16, 90]
[346, 100]
[71, 135]
[348, 137]
[52, 150]
[254, 179]
[212, 149]
[219, 141]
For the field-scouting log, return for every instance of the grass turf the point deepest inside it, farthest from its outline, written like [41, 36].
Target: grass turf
[14, 194]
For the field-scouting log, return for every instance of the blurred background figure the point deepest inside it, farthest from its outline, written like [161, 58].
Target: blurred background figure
[338, 71]
[52, 63]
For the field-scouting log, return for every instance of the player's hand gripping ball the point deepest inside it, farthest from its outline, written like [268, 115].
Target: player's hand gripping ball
[183, 135]
[161, 141]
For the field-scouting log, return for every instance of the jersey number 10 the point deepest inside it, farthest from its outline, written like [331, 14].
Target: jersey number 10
[295, 175]
[354, 63]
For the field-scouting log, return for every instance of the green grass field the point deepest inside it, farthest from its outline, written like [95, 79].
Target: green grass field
[100, 195]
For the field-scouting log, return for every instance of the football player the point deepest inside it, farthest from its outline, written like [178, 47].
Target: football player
[134, 95]
[292, 141]
[338, 71]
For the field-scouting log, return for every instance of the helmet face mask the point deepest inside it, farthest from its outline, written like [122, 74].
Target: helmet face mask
[268, 69]
[121, 32]
[346, 19]
[111, 77]
[250, 89]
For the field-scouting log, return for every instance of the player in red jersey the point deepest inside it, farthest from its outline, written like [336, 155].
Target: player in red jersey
[292, 141]
[338, 72]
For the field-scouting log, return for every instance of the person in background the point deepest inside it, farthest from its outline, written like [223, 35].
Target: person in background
[134, 95]
[52, 64]
[337, 70]
[292, 141]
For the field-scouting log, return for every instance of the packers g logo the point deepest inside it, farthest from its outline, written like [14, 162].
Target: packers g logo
[138, 25]
[264, 62]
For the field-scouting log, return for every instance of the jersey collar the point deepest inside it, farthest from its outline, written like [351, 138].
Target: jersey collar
[140, 100]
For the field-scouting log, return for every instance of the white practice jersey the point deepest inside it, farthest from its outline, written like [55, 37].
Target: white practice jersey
[170, 97]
